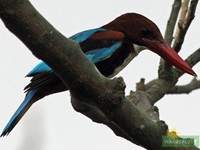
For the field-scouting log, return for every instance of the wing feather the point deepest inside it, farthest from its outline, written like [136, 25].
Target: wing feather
[98, 44]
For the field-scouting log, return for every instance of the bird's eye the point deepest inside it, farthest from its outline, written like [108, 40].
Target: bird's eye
[145, 32]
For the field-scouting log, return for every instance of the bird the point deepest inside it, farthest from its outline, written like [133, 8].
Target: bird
[110, 47]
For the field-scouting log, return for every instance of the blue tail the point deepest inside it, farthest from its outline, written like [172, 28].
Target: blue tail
[25, 105]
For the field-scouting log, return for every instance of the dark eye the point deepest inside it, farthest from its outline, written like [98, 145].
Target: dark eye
[145, 32]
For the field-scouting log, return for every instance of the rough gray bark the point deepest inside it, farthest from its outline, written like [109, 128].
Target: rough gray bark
[185, 89]
[133, 117]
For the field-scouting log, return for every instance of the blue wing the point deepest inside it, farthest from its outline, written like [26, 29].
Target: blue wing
[82, 36]
[41, 67]
[100, 54]
[95, 55]
[96, 49]
[25, 105]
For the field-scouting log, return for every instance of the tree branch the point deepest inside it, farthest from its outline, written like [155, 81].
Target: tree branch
[164, 67]
[192, 60]
[184, 24]
[168, 76]
[106, 104]
[172, 21]
[183, 13]
[80, 76]
[186, 89]
[157, 88]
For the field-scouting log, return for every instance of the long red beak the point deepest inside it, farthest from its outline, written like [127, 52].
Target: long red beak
[170, 55]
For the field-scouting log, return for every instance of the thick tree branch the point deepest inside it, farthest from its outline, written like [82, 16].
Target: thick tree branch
[80, 76]
[106, 104]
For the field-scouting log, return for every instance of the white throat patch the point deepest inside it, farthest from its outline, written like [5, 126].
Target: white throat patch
[137, 50]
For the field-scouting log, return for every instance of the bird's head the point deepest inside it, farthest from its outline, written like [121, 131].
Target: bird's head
[143, 32]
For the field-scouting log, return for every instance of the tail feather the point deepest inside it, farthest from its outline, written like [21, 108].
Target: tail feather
[22, 109]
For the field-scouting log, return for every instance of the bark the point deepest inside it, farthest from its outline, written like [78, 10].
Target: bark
[172, 21]
[184, 24]
[186, 89]
[133, 117]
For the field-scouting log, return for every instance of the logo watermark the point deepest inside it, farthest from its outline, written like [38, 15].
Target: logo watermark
[173, 139]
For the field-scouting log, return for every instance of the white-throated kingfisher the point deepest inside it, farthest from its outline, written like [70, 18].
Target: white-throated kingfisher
[110, 47]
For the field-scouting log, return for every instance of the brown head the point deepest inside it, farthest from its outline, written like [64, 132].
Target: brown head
[142, 31]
